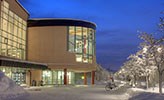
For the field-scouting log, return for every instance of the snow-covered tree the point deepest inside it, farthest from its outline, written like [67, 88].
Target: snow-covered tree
[102, 74]
[154, 50]
[144, 63]
[150, 57]
[132, 68]
[155, 53]
[138, 65]
[125, 70]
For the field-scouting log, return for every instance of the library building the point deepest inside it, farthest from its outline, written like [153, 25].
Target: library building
[47, 51]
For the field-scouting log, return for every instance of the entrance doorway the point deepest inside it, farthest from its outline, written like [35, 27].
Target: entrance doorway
[57, 77]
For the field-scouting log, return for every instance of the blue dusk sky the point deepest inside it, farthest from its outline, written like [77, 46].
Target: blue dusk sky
[117, 22]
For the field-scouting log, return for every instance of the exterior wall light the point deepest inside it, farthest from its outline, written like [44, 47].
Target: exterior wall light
[82, 77]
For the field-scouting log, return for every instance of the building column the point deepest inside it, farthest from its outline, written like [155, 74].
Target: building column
[93, 77]
[28, 78]
[36, 75]
[65, 76]
[85, 78]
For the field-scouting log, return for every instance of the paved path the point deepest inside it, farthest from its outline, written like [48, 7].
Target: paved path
[77, 93]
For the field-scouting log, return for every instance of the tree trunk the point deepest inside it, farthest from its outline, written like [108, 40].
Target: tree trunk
[135, 79]
[147, 82]
[160, 83]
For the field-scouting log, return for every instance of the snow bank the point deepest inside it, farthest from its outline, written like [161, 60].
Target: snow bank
[9, 90]
[151, 90]
[148, 96]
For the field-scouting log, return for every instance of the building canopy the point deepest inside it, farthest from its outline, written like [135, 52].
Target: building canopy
[22, 64]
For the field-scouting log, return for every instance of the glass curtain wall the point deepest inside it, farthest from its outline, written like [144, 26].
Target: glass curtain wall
[18, 75]
[12, 33]
[57, 77]
[81, 40]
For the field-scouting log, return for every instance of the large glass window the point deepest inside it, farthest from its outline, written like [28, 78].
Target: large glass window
[13, 33]
[78, 32]
[47, 77]
[57, 77]
[81, 41]
[78, 48]
[71, 39]
[18, 75]
[79, 58]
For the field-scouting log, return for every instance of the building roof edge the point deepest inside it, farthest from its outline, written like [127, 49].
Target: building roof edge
[22, 7]
[60, 22]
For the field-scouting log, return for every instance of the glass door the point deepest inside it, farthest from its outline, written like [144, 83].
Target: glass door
[60, 77]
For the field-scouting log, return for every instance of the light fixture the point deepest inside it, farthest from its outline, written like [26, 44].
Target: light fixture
[82, 77]
[3, 70]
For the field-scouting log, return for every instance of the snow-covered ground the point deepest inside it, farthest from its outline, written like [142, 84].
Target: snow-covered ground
[10, 91]
[151, 90]
[147, 94]
[75, 93]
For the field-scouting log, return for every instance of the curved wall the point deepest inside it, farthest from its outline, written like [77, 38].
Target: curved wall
[49, 44]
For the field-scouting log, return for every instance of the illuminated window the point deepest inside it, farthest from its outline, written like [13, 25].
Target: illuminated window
[9, 42]
[81, 41]
[24, 35]
[6, 40]
[78, 33]
[57, 77]
[79, 58]
[4, 49]
[5, 16]
[5, 4]
[85, 32]
[71, 39]
[78, 48]
[11, 14]
[90, 59]
[4, 24]
[16, 74]
[12, 33]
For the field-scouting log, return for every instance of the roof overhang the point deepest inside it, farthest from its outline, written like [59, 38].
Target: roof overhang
[22, 64]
